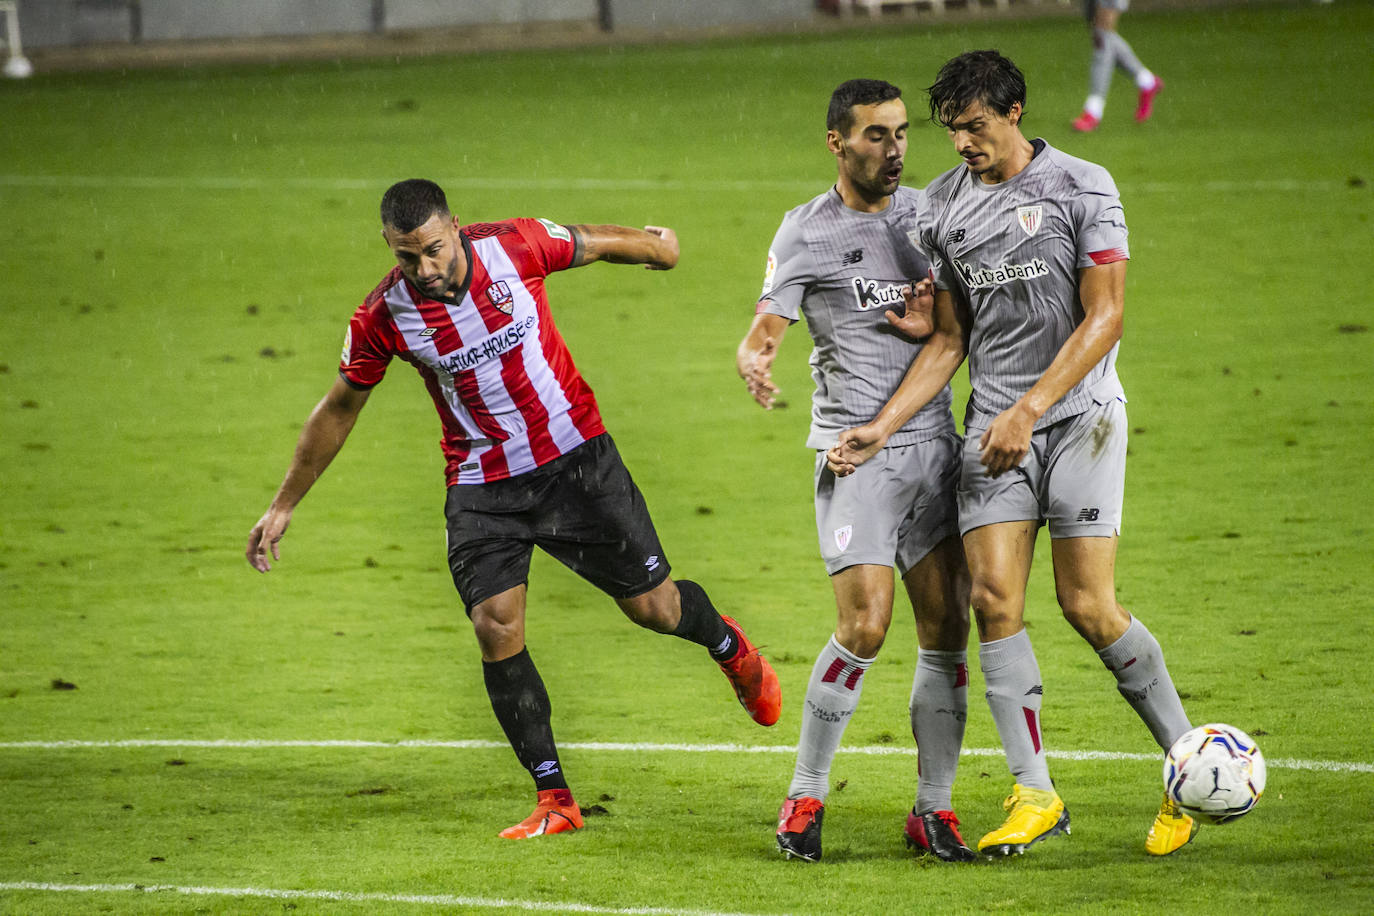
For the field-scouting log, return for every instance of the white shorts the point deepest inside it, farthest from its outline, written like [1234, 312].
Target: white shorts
[1074, 478]
[893, 510]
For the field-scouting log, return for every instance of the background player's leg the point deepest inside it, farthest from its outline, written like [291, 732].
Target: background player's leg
[1084, 576]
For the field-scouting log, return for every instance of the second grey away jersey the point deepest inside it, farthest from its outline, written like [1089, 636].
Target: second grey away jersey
[1012, 251]
[842, 269]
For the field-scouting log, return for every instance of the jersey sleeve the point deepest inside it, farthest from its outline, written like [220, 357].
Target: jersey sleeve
[940, 273]
[1101, 222]
[551, 246]
[367, 350]
[790, 268]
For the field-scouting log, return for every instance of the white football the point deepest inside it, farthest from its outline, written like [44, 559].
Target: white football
[1215, 772]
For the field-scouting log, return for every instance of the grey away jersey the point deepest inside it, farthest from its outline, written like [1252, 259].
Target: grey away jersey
[1012, 251]
[841, 269]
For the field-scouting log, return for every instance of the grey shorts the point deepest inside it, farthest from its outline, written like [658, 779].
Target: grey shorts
[893, 510]
[1073, 478]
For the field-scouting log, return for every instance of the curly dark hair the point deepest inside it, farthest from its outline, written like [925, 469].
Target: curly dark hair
[976, 76]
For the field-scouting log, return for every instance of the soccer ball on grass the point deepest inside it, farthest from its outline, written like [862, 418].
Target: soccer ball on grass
[1215, 772]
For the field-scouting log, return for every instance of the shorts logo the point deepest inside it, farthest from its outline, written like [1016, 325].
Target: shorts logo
[843, 536]
[1029, 218]
[1087, 515]
[651, 564]
[500, 296]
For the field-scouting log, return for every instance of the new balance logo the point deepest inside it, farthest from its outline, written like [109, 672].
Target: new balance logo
[1087, 515]
[1037, 689]
[955, 237]
[852, 257]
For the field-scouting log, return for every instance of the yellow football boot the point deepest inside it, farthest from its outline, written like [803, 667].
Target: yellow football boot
[1172, 829]
[1032, 815]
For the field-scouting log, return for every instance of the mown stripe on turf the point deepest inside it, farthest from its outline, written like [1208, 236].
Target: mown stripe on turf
[444, 900]
[695, 185]
[1281, 763]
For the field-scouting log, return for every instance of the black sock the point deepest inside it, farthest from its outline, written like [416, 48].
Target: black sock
[701, 622]
[522, 707]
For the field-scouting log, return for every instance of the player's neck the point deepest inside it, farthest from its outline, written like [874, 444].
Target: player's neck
[1021, 155]
[854, 200]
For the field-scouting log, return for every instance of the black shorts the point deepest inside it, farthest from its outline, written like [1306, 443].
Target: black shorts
[581, 508]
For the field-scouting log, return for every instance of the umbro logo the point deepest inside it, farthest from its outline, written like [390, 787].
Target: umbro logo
[652, 563]
[955, 237]
[1087, 515]
[546, 768]
[852, 257]
[429, 332]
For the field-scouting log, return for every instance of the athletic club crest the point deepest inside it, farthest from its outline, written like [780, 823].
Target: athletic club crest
[499, 296]
[842, 536]
[1029, 218]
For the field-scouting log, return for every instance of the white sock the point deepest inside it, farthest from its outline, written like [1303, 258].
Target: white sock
[1095, 105]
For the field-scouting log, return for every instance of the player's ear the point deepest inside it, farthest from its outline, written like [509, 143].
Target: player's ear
[1014, 114]
[834, 141]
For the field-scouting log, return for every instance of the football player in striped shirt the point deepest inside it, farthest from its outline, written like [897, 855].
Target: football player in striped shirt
[528, 459]
[1028, 249]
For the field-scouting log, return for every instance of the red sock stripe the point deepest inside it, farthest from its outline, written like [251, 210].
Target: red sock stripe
[1033, 726]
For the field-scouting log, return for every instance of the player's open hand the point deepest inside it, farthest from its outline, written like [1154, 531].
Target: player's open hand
[667, 259]
[756, 368]
[854, 448]
[1006, 442]
[918, 320]
[264, 537]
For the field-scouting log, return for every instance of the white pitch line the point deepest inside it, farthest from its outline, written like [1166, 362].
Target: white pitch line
[476, 183]
[444, 900]
[1282, 763]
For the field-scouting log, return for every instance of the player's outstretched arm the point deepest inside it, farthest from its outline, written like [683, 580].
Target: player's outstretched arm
[1102, 290]
[936, 364]
[653, 246]
[755, 355]
[321, 438]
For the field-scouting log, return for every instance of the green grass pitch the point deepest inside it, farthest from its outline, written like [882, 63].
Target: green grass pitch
[179, 253]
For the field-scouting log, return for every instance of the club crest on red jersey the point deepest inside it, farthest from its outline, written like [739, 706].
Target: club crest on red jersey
[500, 296]
[1029, 218]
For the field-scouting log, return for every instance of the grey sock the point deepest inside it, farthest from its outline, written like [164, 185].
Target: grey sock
[832, 695]
[1142, 678]
[1014, 696]
[939, 709]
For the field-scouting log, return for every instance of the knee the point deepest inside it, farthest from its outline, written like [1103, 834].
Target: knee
[996, 606]
[497, 638]
[659, 609]
[1097, 618]
[863, 632]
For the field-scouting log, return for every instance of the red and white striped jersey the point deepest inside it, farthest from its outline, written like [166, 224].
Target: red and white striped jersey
[508, 394]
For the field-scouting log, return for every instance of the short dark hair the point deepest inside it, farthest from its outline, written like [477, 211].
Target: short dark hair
[976, 76]
[410, 203]
[840, 117]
